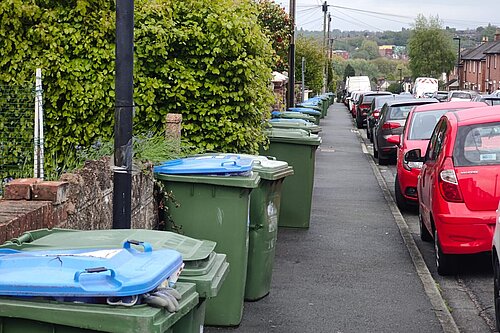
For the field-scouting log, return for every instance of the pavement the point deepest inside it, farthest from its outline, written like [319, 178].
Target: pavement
[353, 270]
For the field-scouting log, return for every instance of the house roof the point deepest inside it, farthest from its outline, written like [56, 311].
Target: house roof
[477, 53]
[495, 49]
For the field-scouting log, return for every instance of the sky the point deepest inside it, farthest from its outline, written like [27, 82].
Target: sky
[381, 15]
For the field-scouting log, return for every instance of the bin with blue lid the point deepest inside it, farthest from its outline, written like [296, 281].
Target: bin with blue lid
[202, 265]
[298, 148]
[211, 201]
[295, 123]
[312, 111]
[265, 203]
[91, 289]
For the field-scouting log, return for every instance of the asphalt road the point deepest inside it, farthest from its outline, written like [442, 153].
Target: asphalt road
[356, 269]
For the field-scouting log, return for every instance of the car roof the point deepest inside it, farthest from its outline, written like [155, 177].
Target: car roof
[478, 115]
[448, 105]
[412, 101]
[381, 93]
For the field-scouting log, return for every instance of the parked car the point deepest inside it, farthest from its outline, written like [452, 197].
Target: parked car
[458, 187]
[416, 133]
[391, 122]
[364, 104]
[354, 102]
[495, 255]
[460, 95]
[374, 112]
[488, 99]
[441, 96]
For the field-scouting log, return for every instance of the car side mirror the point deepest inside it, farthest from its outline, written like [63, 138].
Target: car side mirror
[414, 155]
[394, 139]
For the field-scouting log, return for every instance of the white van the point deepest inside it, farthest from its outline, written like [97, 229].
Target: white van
[361, 83]
[425, 85]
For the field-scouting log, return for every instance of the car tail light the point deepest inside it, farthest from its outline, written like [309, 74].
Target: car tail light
[448, 183]
[364, 106]
[390, 125]
[376, 114]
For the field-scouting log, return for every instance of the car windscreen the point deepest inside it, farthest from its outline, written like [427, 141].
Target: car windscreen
[399, 112]
[477, 144]
[461, 95]
[367, 99]
[423, 123]
[492, 101]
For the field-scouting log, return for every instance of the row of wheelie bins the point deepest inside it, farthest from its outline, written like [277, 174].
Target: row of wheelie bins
[223, 212]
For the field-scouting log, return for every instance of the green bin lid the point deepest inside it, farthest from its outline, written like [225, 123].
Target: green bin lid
[307, 126]
[292, 135]
[268, 167]
[296, 115]
[250, 181]
[202, 266]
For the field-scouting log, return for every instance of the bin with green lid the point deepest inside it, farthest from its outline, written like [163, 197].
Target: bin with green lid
[295, 123]
[210, 199]
[20, 315]
[293, 115]
[202, 266]
[298, 148]
[312, 111]
[265, 202]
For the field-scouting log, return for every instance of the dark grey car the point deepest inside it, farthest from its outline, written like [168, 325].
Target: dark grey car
[391, 122]
[374, 112]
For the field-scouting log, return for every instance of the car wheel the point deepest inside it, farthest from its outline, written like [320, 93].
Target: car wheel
[425, 235]
[359, 122]
[382, 161]
[496, 287]
[400, 199]
[445, 263]
[368, 136]
[375, 151]
[371, 134]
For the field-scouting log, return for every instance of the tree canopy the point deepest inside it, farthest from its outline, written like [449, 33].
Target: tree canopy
[430, 48]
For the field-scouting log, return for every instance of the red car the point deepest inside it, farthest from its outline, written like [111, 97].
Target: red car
[418, 129]
[459, 184]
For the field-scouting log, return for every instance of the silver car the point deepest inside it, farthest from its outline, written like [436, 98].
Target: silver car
[391, 122]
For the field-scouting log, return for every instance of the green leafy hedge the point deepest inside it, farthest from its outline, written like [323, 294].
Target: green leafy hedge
[205, 59]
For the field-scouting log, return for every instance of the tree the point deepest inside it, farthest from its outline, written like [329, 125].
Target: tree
[430, 48]
[277, 26]
[312, 50]
[349, 71]
[364, 67]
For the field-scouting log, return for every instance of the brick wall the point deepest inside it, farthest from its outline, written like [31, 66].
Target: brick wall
[81, 200]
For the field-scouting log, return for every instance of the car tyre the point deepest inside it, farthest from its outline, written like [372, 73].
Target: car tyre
[445, 263]
[496, 288]
[375, 151]
[425, 235]
[382, 161]
[368, 136]
[359, 122]
[400, 199]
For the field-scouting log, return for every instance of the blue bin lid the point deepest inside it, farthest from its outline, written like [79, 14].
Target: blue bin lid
[87, 272]
[220, 164]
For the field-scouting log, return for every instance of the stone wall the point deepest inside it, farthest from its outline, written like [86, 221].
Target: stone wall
[81, 200]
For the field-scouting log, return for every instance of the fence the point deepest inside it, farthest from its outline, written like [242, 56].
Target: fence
[20, 142]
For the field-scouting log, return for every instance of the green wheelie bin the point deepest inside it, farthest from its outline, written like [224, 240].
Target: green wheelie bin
[211, 201]
[22, 315]
[265, 202]
[202, 266]
[298, 148]
[295, 123]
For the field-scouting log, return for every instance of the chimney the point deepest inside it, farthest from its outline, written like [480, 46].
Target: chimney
[484, 40]
[497, 35]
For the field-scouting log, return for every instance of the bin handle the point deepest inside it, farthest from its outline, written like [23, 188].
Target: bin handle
[146, 246]
[226, 162]
[94, 270]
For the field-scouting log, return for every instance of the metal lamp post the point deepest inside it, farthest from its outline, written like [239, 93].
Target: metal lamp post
[400, 80]
[458, 62]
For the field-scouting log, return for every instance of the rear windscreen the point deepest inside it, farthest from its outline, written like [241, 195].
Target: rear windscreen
[423, 124]
[400, 112]
[461, 95]
[477, 145]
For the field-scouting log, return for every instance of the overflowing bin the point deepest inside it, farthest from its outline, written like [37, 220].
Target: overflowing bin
[210, 199]
[295, 123]
[204, 268]
[298, 148]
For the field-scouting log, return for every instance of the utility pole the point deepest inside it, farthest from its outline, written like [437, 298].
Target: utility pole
[458, 61]
[124, 108]
[291, 59]
[325, 10]
[327, 53]
[303, 78]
